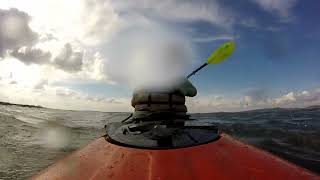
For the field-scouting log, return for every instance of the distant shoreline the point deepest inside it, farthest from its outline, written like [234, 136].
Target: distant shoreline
[263, 109]
[245, 111]
[21, 105]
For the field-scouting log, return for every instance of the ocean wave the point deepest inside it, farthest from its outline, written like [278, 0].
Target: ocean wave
[33, 138]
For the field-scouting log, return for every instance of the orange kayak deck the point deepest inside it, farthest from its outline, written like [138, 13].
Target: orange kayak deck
[223, 159]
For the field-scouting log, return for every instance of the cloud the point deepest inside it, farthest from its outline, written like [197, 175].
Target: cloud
[89, 22]
[41, 84]
[214, 38]
[71, 99]
[100, 21]
[68, 59]
[299, 99]
[253, 99]
[213, 103]
[31, 55]
[280, 7]
[285, 99]
[107, 100]
[95, 68]
[249, 22]
[18, 40]
[255, 96]
[62, 98]
[15, 30]
[65, 92]
[179, 11]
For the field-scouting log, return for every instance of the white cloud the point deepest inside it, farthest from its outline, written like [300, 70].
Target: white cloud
[87, 21]
[18, 40]
[178, 10]
[35, 84]
[62, 98]
[41, 84]
[281, 7]
[256, 100]
[14, 30]
[299, 99]
[215, 38]
[95, 68]
[31, 75]
[68, 59]
[213, 103]
[285, 99]
[30, 55]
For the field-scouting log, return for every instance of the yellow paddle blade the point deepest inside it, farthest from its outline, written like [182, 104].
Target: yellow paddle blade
[222, 53]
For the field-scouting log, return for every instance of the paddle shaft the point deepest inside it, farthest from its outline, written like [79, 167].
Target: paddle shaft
[195, 71]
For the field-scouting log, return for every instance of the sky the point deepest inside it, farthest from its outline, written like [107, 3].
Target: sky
[92, 54]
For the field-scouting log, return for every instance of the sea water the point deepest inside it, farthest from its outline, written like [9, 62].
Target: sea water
[31, 139]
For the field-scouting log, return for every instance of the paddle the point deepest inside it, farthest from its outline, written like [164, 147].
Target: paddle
[221, 54]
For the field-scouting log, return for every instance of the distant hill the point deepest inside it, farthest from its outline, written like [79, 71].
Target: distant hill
[21, 105]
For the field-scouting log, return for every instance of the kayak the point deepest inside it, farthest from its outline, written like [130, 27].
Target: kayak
[136, 151]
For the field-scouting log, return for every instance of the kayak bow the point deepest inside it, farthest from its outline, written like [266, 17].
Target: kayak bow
[225, 158]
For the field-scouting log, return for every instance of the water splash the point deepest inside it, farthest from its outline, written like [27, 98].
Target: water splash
[54, 135]
[151, 56]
